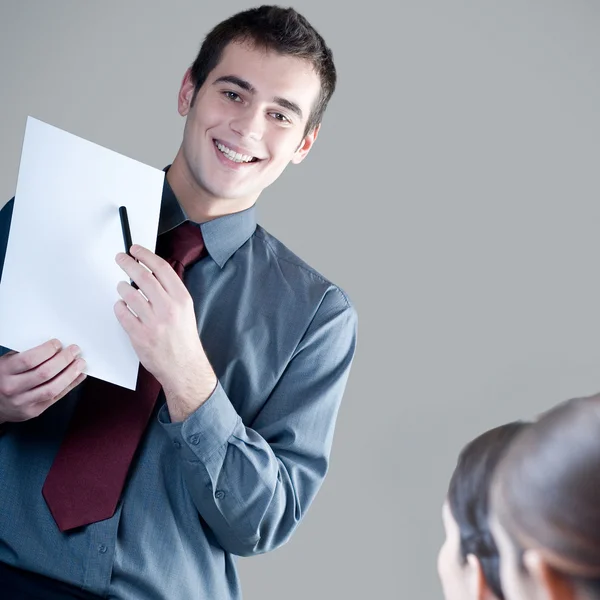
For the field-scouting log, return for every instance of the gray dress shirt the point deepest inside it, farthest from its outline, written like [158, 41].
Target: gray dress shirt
[237, 476]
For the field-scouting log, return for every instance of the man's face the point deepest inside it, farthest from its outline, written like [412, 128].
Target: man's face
[247, 122]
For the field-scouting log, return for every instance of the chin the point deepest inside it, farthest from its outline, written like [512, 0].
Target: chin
[228, 193]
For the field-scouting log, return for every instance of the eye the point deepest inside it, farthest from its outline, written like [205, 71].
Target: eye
[232, 96]
[281, 118]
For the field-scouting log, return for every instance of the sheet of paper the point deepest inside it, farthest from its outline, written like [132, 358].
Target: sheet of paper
[60, 276]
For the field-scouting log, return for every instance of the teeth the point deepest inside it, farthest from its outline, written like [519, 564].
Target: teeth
[233, 156]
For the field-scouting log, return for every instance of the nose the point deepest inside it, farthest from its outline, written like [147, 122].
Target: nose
[249, 124]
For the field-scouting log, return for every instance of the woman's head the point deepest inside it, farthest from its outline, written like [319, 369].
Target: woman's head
[545, 505]
[468, 560]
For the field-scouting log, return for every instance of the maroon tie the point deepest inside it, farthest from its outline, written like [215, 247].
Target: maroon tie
[88, 474]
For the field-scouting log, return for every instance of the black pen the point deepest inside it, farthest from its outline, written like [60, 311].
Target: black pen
[126, 235]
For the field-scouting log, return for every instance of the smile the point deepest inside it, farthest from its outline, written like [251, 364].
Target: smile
[233, 156]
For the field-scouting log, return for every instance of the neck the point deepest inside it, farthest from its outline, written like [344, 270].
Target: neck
[199, 204]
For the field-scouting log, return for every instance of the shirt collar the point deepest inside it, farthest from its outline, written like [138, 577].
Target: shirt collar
[222, 236]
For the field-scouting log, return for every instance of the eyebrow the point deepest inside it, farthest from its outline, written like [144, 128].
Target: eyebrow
[246, 85]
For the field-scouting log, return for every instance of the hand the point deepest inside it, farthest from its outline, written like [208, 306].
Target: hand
[33, 380]
[164, 330]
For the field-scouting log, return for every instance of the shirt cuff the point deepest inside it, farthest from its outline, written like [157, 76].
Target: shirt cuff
[208, 428]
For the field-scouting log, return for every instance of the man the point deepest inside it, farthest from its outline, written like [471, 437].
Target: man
[250, 350]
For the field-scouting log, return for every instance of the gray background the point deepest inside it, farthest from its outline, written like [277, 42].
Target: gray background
[453, 193]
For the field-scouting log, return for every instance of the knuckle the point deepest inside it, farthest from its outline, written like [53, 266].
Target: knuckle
[43, 373]
[31, 411]
[171, 313]
[132, 293]
[126, 294]
[49, 393]
[146, 277]
[179, 300]
[148, 340]
[6, 389]
[63, 393]
[25, 362]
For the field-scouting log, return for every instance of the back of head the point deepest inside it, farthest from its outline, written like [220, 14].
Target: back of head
[468, 493]
[276, 29]
[546, 492]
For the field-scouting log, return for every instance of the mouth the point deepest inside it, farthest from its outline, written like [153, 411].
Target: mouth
[234, 156]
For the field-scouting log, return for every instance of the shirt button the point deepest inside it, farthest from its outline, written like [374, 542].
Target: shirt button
[102, 549]
[177, 444]
[219, 494]
[195, 439]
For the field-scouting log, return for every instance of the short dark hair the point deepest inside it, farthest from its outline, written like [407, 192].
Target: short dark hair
[468, 494]
[277, 29]
[546, 490]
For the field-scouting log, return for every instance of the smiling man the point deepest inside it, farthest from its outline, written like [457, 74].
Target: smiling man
[245, 351]
[251, 117]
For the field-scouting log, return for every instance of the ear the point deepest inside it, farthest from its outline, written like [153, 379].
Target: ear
[186, 93]
[553, 585]
[476, 581]
[305, 145]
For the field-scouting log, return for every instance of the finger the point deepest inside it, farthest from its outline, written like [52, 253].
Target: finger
[144, 279]
[45, 372]
[70, 387]
[135, 301]
[163, 272]
[40, 398]
[130, 323]
[30, 359]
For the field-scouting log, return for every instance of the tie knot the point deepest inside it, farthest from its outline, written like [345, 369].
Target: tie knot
[183, 244]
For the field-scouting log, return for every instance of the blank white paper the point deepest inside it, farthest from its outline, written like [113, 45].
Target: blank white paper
[60, 276]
